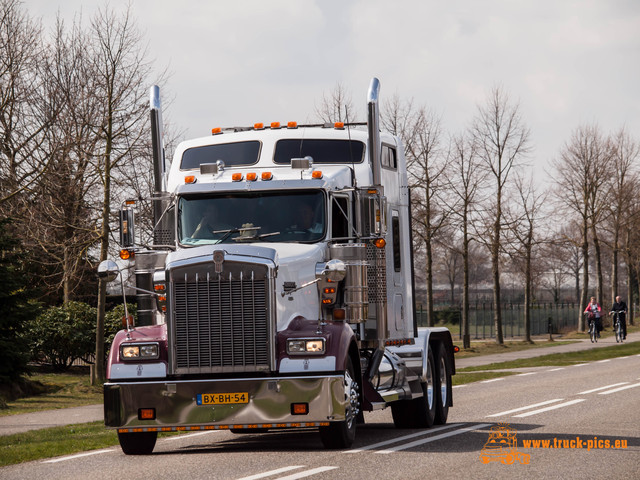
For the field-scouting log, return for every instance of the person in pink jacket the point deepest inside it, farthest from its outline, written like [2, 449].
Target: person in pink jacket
[594, 311]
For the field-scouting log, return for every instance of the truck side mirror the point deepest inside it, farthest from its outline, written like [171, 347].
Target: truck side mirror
[372, 212]
[334, 270]
[127, 228]
[108, 270]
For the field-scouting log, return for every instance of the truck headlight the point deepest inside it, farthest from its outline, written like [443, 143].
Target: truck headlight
[306, 346]
[139, 351]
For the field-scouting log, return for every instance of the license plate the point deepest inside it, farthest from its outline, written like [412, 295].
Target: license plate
[222, 398]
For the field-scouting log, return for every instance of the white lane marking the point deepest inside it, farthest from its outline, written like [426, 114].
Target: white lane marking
[493, 380]
[404, 437]
[433, 439]
[306, 473]
[461, 386]
[547, 402]
[86, 454]
[189, 435]
[619, 389]
[556, 369]
[525, 374]
[553, 407]
[604, 361]
[602, 388]
[272, 472]
[580, 365]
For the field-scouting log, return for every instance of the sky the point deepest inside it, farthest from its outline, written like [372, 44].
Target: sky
[567, 63]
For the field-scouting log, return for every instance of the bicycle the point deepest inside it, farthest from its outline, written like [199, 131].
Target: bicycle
[593, 329]
[617, 326]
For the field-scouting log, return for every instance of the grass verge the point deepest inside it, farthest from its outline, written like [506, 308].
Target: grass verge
[562, 359]
[460, 378]
[53, 442]
[62, 390]
[489, 348]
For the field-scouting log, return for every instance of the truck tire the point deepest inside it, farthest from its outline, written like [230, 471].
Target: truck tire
[137, 443]
[443, 385]
[342, 434]
[419, 412]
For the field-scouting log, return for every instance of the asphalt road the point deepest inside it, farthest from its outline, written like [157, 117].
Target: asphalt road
[585, 405]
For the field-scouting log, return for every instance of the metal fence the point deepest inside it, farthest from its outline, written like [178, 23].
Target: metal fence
[557, 317]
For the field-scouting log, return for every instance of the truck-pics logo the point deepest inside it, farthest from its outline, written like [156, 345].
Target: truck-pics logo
[502, 446]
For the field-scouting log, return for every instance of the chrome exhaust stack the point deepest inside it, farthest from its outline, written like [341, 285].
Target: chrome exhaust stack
[373, 127]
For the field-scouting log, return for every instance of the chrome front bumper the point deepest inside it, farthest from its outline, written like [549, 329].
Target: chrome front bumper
[269, 405]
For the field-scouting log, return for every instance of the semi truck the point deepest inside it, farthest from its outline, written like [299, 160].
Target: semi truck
[278, 291]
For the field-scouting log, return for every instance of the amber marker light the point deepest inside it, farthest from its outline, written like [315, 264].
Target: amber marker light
[275, 124]
[146, 414]
[339, 314]
[258, 126]
[299, 408]
[236, 177]
[252, 177]
[190, 179]
[216, 131]
[267, 176]
[316, 174]
[126, 254]
[338, 125]
[292, 124]
[380, 243]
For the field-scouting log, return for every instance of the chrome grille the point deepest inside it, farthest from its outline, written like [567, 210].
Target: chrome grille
[220, 321]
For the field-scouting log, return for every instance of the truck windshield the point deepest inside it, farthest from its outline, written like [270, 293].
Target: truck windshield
[291, 216]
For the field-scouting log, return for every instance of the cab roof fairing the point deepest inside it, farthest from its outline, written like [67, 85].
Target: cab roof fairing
[268, 139]
[284, 178]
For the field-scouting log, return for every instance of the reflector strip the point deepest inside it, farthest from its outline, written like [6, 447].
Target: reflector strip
[223, 427]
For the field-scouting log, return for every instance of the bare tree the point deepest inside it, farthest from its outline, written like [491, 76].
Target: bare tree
[624, 179]
[25, 107]
[122, 75]
[579, 174]
[464, 179]
[425, 167]
[525, 232]
[501, 139]
[62, 223]
[336, 106]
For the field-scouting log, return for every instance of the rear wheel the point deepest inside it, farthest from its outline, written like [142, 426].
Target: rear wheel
[442, 387]
[419, 412]
[137, 443]
[618, 331]
[342, 434]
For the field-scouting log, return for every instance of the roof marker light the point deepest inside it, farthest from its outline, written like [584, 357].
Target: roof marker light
[316, 174]
[266, 176]
[216, 131]
[236, 177]
[292, 124]
[190, 179]
[338, 125]
[258, 126]
[252, 177]
[275, 125]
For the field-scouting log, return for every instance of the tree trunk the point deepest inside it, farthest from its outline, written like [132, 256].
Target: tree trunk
[429, 280]
[596, 249]
[585, 275]
[495, 271]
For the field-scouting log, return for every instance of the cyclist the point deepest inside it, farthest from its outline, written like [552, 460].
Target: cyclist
[594, 309]
[621, 307]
